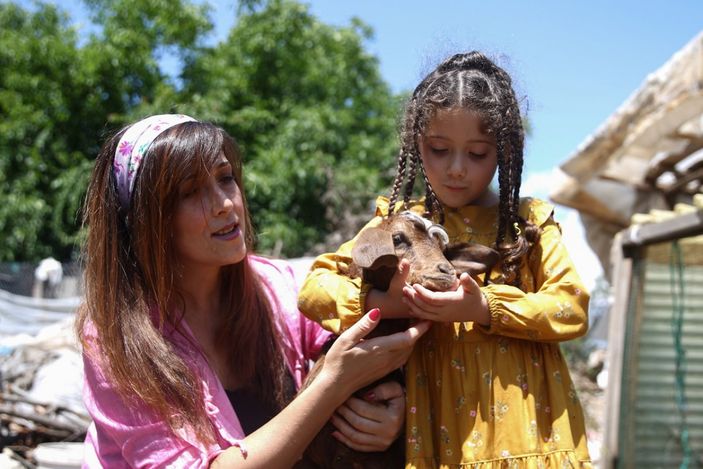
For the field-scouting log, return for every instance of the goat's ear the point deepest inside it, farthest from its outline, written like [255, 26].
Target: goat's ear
[374, 249]
[471, 258]
[375, 254]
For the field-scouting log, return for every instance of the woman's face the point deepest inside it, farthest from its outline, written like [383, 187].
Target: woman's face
[459, 158]
[209, 220]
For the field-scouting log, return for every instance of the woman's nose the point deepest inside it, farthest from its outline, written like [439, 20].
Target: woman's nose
[220, 202]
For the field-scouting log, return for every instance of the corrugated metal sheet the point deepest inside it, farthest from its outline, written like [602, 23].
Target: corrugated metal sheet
[651, 417]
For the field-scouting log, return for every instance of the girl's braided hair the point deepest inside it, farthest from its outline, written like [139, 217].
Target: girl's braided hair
[471, 81]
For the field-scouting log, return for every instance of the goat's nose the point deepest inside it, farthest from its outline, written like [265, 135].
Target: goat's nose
[445, 268]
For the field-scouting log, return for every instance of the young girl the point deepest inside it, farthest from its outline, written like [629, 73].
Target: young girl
[488, 385]
[192, 344]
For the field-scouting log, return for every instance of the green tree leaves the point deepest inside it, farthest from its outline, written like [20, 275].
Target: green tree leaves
[304, 99]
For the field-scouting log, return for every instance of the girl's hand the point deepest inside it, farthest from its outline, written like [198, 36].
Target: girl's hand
[466, 303]
[353, 362]
[372, 423]
[390, 302]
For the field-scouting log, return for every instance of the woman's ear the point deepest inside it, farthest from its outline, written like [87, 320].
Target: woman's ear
[471, 258]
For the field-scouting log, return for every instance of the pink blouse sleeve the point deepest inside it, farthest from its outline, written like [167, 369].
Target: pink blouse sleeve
[132, 435]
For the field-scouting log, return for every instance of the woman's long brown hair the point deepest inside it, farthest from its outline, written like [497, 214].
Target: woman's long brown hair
[131, 278]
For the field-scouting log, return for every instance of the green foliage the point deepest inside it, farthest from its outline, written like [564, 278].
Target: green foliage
[311, 112]
[304, 100]
[40, 142]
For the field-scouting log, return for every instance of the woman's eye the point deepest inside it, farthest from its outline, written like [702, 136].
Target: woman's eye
[188, 191]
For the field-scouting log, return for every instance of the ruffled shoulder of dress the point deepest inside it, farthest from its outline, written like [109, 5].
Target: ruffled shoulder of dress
[382, 202]
[535, 210]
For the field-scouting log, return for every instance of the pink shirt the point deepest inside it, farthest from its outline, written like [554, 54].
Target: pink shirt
[124, 436]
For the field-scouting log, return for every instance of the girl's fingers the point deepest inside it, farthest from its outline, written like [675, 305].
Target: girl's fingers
[404, 270]
[468, 283]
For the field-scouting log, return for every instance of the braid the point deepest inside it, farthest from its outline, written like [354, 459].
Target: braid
[472, 81]
[398, 182]
[412, 172]
[432, 203]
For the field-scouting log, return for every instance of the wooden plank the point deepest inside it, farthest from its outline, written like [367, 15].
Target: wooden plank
[682, 226]
[622, 276]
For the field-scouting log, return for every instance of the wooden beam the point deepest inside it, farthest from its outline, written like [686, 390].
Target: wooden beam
[682, 226]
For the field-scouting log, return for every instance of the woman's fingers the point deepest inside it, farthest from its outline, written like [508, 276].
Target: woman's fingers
[360, 413]
[355, 361]
[366, 437]
[386, 391]
[360, 329]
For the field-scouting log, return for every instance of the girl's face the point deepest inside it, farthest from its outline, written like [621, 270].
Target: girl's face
[459, 158]
[209, 220]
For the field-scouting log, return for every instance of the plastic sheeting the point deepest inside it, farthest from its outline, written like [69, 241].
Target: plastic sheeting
[26, 316]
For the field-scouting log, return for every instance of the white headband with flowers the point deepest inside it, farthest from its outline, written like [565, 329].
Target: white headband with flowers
[133, 146]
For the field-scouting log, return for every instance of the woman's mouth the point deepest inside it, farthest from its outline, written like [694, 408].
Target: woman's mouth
[228, 232]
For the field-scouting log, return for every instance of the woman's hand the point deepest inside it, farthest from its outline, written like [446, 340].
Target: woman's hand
[372, 423]
[466, 303]
[353, 362]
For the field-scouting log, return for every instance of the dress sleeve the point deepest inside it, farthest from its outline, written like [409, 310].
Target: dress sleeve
[329, 296]
[556, 308]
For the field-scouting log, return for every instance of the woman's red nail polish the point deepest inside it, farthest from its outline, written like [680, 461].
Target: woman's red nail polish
[375, 314]
[370, 396]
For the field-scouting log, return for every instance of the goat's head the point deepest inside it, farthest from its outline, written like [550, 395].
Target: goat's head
[434, 263]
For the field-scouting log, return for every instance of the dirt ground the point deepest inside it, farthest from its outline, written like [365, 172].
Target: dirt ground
[593, 402]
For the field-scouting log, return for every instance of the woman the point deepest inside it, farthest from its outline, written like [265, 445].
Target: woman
[192, 344]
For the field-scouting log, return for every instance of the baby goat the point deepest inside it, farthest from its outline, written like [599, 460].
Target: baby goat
[435, 264]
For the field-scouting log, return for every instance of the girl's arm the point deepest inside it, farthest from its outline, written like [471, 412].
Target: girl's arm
[557, 310]
[350, 364]
[330, 297]
[555, 307]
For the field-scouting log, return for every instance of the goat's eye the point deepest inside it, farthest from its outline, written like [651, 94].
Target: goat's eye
[399, 239]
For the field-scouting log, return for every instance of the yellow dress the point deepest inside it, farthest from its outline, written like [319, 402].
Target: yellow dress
[484, 397]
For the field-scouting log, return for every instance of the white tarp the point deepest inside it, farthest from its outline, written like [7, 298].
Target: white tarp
[23, 315]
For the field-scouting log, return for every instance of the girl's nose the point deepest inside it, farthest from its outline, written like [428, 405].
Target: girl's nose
[456, 168]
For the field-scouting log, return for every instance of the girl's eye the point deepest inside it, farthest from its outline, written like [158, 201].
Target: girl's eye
[228, 179]
[479, 156]
[439, 151]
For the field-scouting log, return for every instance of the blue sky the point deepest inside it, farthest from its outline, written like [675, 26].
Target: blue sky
[575, 62]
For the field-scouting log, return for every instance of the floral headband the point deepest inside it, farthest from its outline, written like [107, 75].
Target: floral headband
[133, 146]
